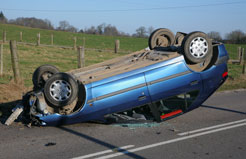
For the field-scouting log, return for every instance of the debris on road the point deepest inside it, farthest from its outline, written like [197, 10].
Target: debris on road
[50, 144]
[16, 113]
[131, 119]
[138, 125]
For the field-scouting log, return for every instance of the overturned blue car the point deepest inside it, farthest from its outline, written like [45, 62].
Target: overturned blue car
[174, 75]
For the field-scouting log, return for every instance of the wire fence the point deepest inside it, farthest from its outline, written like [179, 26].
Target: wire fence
[116, 48]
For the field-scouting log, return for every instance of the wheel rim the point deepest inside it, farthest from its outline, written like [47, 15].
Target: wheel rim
[162, 41]
[46, 76]
[198, 47]
[60, 90]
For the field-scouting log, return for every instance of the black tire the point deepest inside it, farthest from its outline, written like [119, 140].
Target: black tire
[42, 74]
[196, 47]
[60, 90]
[161, 38]
[179, 37]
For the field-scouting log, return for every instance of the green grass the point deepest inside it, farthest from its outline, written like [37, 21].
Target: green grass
[236, 79]
[92, 41]
[232, 50]
[66, 38]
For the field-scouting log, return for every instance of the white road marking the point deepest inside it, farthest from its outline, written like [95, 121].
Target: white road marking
[104, 152]
[170, 141]
[211, 127]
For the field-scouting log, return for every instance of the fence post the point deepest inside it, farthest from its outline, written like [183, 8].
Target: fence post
[14, 59]
[21, 36]
[244, 61]
[81, 57]
[239, 53]
[84, 42]
[52, 39]
[4, 36]
[117, 46]
[242, 56]
[74, 43]
[1, 59]
[38, 39]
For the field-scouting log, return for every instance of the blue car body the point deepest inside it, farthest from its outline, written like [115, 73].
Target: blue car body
[145, 85]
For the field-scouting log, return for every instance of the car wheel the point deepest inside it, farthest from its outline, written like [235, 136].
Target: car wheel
[42, 74]
[61, 90]
[161, 38]
[179, 37]
[196, 47]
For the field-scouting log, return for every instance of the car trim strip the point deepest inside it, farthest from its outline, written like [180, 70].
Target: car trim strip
[121, 91]
[117, 92]
[137, 86]
[168, 77]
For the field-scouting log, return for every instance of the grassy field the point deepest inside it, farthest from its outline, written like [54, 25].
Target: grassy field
[236, 79]
[66, 38]
[233, 48]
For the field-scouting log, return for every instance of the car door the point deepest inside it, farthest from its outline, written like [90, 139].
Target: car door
[120, 94]
[171, 80]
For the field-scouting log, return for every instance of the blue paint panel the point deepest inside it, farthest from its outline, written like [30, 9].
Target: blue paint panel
[173, 86]
[165, 71]
[212, 78]
[137, 71]
[222, 51]
[123, 100]
[118, 85]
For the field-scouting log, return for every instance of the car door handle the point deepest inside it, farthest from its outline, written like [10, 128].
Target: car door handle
[142, 98]
[194, 82]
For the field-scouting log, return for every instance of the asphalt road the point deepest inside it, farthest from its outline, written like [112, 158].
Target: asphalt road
[215, 130]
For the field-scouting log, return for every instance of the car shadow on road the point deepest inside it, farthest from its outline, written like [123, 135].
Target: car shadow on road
[224, 109]
[100, 142]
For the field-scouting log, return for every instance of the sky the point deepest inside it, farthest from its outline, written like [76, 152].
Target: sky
[222, 16]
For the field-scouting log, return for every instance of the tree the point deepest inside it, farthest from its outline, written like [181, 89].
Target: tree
[150, 30]
[72, 29]
[32, 22]
[236, 37]
[49, 24]
[111, 30]
[91, 30]
[100, 28]
[214, 35]
[104, 29]
[65, 26]
[81, 31]
[141, 32]
[3, 19]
